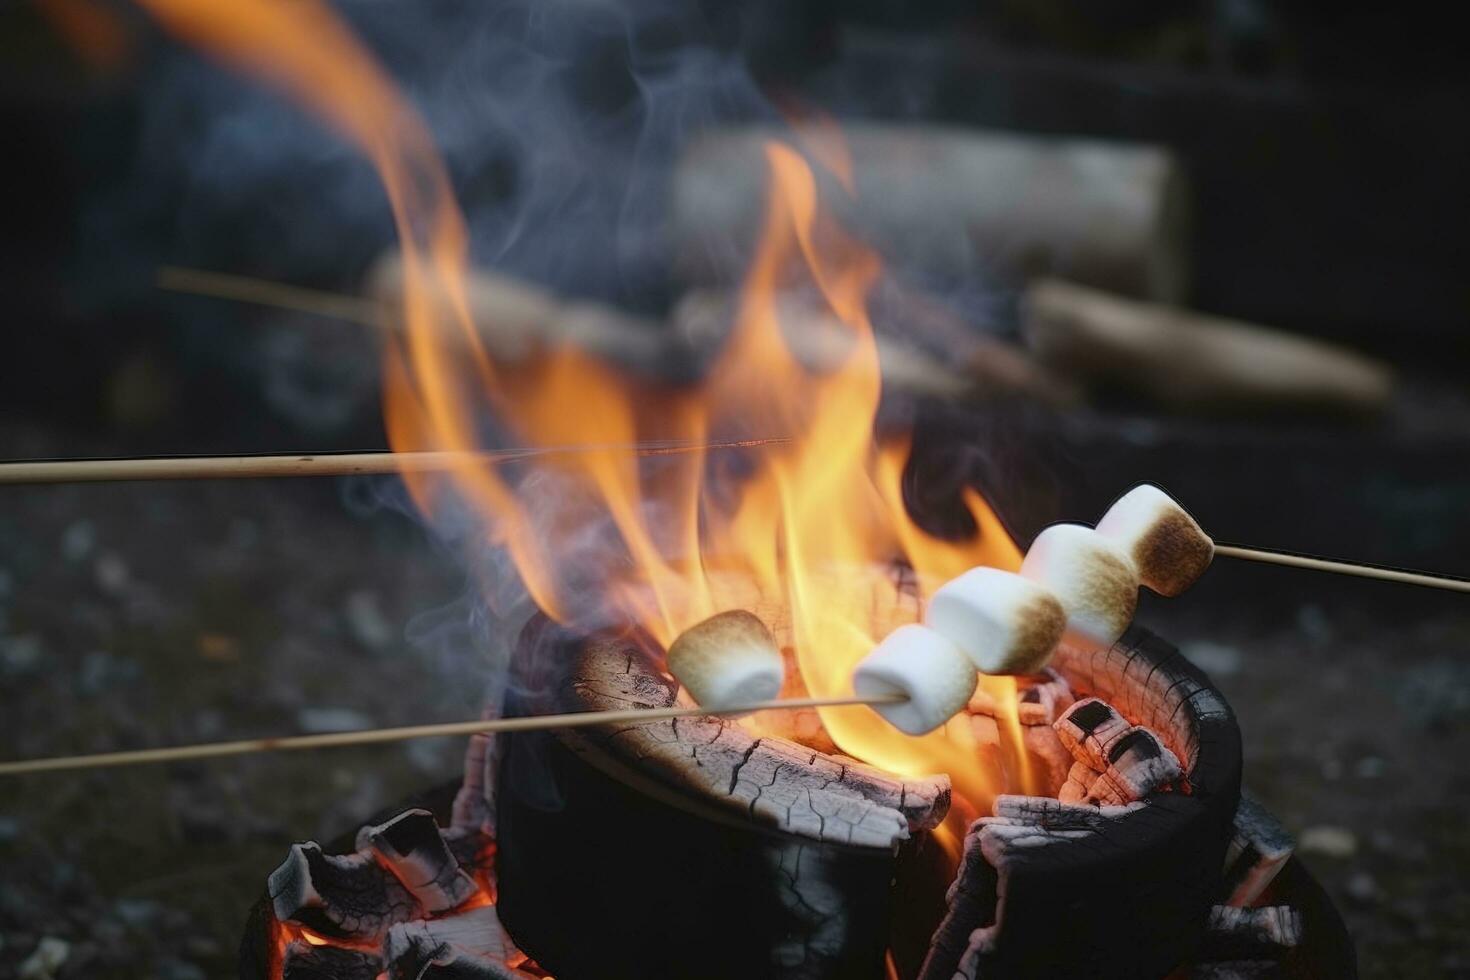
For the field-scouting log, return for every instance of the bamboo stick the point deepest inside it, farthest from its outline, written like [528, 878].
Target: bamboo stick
[320, 464]
[251, 746]
[1343, 568]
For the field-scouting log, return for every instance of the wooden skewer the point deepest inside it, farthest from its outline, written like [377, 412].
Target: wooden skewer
[580, 719]
[265, 292]
[320, 464]
[1343, 568]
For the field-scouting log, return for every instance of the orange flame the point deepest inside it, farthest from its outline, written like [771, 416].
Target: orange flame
[804, 528]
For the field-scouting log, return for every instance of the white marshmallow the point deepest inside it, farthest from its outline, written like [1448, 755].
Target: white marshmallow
[1092, 577]
[915, 661]
[1167, 546]
[1004, 623]
[728, 660]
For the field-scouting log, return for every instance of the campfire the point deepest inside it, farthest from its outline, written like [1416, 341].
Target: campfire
[884, 753]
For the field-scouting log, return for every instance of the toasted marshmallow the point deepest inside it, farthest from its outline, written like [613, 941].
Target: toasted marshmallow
[1093, 578]
[1167, 546]
[728, 660]
[1004, 623]
[930, 670]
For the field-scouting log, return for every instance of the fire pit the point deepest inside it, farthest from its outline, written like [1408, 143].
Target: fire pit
[697, 848]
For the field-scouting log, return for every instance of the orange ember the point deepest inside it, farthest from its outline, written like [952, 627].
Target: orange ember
[803, 522]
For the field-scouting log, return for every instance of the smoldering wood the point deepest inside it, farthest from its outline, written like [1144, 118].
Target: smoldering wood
[355, 897]
[1089, 728]
[346, 896]
[472, 807]
[1263, 932]
[301, 960]
[1075, 787]
[1133, 884]
[1259, 849]
[410, 846]
[1190, 362]
[1139, 764]
[717, 853]
[971, 901]
[990, 204]
[1049, 757]
[1043, 702]
[470, 945]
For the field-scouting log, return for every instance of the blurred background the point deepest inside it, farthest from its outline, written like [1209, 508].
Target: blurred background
[1219, 246]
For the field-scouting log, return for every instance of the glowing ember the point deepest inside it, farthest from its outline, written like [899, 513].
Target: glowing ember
[805, 521]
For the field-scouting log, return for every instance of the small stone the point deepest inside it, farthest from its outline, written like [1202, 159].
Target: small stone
[19, 654]
[46, 960]
[1329, 841]
[78, 540]
[1315, 623]
[9, 829]
[138, 913]
[202, 947]
[1370, 767]
[95, 672]
[1215, 659]
[1362, 888]
[366, 620]
[6, 582]
[171, 969]
[319, 720]
[111, 573]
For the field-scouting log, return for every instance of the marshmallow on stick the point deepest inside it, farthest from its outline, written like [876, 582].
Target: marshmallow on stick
[729, 659]
[1167, 546]
[1092, 577]
[1004, 623]
[931, 671]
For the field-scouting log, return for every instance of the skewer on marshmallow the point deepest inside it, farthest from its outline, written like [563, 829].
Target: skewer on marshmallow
[1005, 624]
[1166, 545]
[1093, 578]
[729, 659]
[934, 674]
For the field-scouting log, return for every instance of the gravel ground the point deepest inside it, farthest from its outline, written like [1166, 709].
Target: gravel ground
[136, 615]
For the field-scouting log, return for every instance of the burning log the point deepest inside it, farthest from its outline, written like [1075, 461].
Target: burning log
[409, 845]
[1107, 214]
[803, 845]
[1133, 884]
[1195, 363]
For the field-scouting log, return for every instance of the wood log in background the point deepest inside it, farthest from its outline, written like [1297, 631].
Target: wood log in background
[516, 321]
[957, 205]
[1195, 363]
[715, 853]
